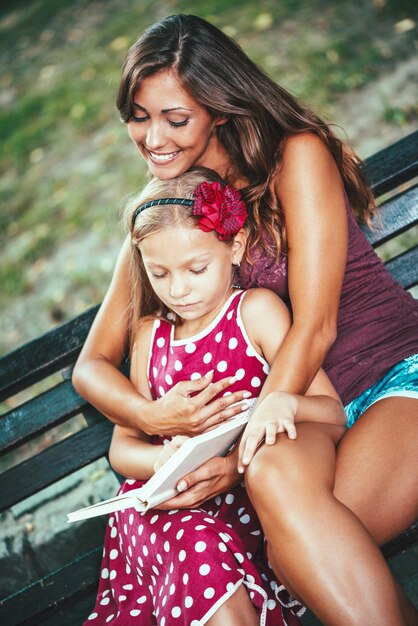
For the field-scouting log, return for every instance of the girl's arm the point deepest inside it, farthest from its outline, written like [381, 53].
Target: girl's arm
[280, 411]
[186, 409]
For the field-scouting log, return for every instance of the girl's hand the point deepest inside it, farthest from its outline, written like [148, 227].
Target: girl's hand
[209, 480]
[189, 409]
[275, 414]
[168, 450]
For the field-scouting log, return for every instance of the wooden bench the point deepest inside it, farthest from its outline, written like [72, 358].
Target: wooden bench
[66, 595]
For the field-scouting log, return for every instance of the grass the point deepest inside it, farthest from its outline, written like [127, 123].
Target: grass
[66, 160]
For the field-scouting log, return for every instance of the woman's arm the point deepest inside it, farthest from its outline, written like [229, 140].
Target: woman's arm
[310, 190]
[186, 409]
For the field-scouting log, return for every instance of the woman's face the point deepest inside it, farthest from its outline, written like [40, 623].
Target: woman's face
[172, 131]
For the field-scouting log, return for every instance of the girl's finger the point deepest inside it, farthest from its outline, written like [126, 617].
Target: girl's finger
[249, 449]
[290, 428]
[271, 432]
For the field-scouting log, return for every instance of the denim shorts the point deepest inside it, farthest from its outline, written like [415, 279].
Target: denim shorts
[400, 380]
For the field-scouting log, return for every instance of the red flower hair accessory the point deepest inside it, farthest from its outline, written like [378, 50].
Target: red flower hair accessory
[222, 209]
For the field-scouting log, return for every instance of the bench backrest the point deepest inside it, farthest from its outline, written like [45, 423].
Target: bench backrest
[389, 172]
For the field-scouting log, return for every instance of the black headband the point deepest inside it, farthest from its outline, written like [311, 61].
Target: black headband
[147, 205]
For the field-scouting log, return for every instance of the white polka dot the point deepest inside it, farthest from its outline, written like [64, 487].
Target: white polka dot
[255, 382]
[140, 529]
[218, 337]
[145, 550]
[266, 368]
[171, 570]
[166, 527]
[141, 600]
[271, 604]
[209, 593]
[239, 557]
[182, 555]
[164, 601]
[160, 559]
[190, 348]
[185, 579]
[155, 372]
[249, 555]
[135, 612]
[250, 578]
[166, 546]
[106, 592]
[113, 554]
[225, 537]
[160, 342]
[229, 498]
[200, 527]
[240, 373]
[162, 622]
[140, 561]
[250, 351]
[92, 616]
[130, 551]
[176, 611]
[112, 574]
[131, 519]
[105, 573]
[178, 365]
[230, 586]
[209, 520]
[180, 533]
[133, 541]
[222, 547]
[154, 519]
[164, 360]
[222, 365]
[155, 570]
[245, 519]
[128, 587]
[153, 538]
[186, 518]
[125, 529]
[226, 567]
[200, 546]
[161, 390]
[232, 343]
[195, 376]
[168, 379]
[122, 598]
[109, 619]
[172, 589]
[218, 500]
[105, 601]
[230, 314]
[127, 569]
[113, 532]
[204, 569]
[207, 358]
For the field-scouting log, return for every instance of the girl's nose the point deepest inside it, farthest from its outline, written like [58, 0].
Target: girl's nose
[179, 287]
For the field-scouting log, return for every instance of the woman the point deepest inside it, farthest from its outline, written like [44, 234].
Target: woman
[190, 96]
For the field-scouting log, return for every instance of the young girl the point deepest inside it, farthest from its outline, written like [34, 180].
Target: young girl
[190, 96]
[206, 565]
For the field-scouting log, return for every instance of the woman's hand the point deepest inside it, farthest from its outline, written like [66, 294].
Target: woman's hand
[189, 409]
[275, 414]
[209, 480]
[168, 450]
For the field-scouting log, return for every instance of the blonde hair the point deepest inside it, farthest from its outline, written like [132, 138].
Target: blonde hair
[144, 301]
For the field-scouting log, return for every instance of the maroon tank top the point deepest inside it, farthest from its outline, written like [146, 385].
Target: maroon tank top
[377, 321]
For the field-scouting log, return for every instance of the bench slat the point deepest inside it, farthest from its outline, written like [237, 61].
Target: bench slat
[51, 590]
[395, 216]
[38, 414]
[45, 355]
[404, 268]
[393, 166]
[54, 463]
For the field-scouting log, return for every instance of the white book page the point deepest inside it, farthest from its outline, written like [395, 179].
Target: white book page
[162, 485]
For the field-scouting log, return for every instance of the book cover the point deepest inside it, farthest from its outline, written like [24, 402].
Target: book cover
[162, 485]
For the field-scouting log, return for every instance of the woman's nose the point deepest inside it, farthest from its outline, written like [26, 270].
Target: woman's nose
[155, 137]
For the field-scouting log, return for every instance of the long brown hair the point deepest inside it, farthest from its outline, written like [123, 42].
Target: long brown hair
[144, 301]
[217, 73]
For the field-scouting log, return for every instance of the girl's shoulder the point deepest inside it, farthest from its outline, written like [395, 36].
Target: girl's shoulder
[258, 301]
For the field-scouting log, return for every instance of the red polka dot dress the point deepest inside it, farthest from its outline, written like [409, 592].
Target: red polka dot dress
[176, 568]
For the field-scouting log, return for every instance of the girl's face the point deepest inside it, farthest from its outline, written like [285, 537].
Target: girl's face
[191, 271]
[172, 131]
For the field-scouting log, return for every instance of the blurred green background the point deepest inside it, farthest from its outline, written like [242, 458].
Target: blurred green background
[67, 163]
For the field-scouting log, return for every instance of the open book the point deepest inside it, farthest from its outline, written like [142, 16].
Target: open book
[162, 485]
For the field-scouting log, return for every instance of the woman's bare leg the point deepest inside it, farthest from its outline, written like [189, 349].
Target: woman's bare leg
[237, 611]
[380, 454]
[325, 553]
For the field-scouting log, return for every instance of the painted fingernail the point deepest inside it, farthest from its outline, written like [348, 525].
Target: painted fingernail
[182, 486]
[232, 380]
[244, 406]
[208, 374]
[247, 394]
